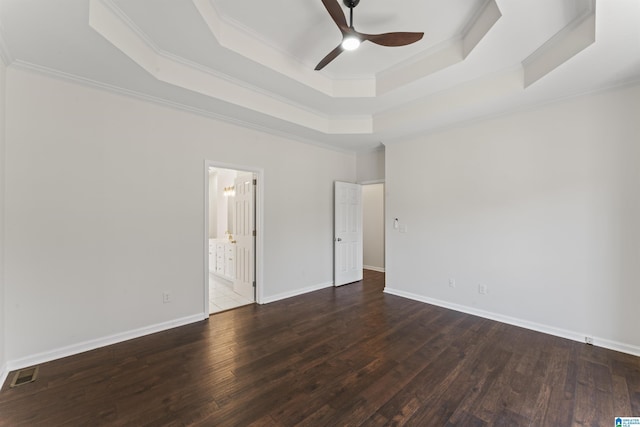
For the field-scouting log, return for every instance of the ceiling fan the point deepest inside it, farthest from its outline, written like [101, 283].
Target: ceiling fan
[351, 38]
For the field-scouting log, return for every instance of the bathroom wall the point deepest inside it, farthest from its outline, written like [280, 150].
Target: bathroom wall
[226, 178]
[213, 204]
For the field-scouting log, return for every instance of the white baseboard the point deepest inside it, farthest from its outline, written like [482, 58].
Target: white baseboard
[295, 293]
[371, 267]
[538, 327]
[4, 372]
[617, 346]
[73, 349]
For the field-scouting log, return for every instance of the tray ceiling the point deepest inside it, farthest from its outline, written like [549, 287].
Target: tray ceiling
[252, 62]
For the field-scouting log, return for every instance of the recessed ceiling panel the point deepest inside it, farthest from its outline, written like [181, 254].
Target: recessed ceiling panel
[304, 29]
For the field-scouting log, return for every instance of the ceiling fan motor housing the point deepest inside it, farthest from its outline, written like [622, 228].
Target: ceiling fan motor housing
[351, 3]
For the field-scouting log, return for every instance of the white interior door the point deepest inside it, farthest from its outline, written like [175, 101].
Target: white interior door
[347, 240]
[244, 234]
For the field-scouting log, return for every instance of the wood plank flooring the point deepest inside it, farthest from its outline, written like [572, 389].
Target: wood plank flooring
[336, 357]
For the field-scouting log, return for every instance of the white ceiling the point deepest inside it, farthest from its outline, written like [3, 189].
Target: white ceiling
[252, 62]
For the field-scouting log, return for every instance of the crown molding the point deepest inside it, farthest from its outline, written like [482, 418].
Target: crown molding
[183, 74]
[442, 55]
[116, 90]
[247, 44]
[225, 22]
[109, 21]
[191, 64]
[431, 61]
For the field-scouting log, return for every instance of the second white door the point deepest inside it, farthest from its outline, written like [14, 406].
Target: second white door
[347, 233]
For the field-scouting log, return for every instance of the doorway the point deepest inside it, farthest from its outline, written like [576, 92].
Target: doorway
[373, 226]
[233, 219]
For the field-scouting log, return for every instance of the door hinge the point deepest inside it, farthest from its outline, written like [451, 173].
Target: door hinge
[254, 283]
[255, 181]
[254, 233]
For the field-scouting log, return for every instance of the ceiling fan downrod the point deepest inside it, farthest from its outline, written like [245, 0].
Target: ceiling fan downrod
[351, 4]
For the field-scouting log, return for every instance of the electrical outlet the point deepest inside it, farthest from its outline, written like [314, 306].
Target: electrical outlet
[482, 289]
[588, 340]
[166, 297]
[452, 283]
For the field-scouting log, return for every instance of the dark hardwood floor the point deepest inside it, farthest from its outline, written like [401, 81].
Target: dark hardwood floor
[335, 357]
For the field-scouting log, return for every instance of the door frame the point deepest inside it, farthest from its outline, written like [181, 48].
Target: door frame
[259, 212]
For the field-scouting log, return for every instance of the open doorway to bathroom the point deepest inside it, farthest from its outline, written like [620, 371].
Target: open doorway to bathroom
[231, 234]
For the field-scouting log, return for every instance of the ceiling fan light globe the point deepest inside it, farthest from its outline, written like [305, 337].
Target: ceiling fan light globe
[350, 43]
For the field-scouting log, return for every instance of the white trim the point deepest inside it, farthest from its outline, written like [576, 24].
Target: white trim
[94, 84]
[70, 350]
[182, 74]
[4, 372]
[372, 182]
[371, 267]
[205, 295]
[538, 327]
[295, 293]
[259, 210]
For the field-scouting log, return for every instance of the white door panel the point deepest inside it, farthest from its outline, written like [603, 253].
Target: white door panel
[347, 233]
[243, 234]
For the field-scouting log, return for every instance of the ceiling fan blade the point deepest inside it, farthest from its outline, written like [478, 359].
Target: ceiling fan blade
[330, 57]
[392, 39]
[334, 9]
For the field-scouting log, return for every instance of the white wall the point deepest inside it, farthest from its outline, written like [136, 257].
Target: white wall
[370, 165]
[2, 233]
[541, 206]
[105, 211]
[373, 226]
